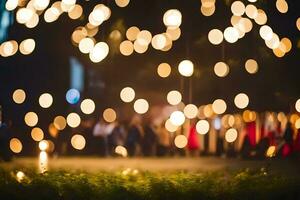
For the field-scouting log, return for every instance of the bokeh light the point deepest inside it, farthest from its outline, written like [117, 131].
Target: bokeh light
[43, 145]
[180, 141]
[31, 119]
[122, 3]
[221, 69]
[186, 68]
[231, 135]
[78, 142]
[190, 111]
[219, 106]
[127, 94]
[215, 36]
[238, 8]
[73, 120]
[19, 96]
[27, 46]
[126, 48]
[37, 134]
[231, 34]
[60, 123]
[241, 100]
[251, 66]
[45, 100]
[141, 106]
[132, 33]
[177, 118]
[202, 127]
[72, 96]
[87, 106]
[170, 126]
[120, 150]
[172, 18]
[164, 70]
[297, 105]
[109, 115]
[15, 145]
[86, 45]
[174, 97]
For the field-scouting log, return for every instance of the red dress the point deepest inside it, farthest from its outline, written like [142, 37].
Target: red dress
[193, 143]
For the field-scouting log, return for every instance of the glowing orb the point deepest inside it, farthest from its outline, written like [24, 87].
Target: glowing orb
[19, 96]
[72, 96]
[202, 127]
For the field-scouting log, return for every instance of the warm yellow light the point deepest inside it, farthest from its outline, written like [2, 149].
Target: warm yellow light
[144, 37]
[251, 11]
[8, 48]
[127, 94]
[180, 141]
[274, 42]
[215, 36]
[27, 46]
[15, 145]
[40, 4]
[287, 44]
[174, 33]
[297, 105]
[99, 52]
[159, 41]
[177, 118]
[238, 8]
[298, 23]
[164, 70]
[231, 34]
[190, 111]
[24, 15]
[60, 123]
[271, 151]
[87, 106]
[53, 131]
[45, 100]
[172, 18]
[37, 134]
[19, 96]
[10, 5]
[266, 32]
[261, 18]
[52, 14]
[120, 150]
[207, 11]
[109, 115]
[174, 97]
[139, 48]
[75, 12]
[122, 3]
[73, 120]
[170, 127]
[20, 176]
[31, 119]
[78, 142]
[219, 106]
[43, 145]
[241, 100]
[186, 68]
[221, 69]
[141, 106]
[282, 6]
[231, 135]
[202, 127]
[297, 124]
[86, 45]
[126, 48]
[132, 33]
[251, 66]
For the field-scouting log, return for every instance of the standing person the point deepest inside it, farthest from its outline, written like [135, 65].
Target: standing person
[101, 131]
[117, 137]
[134, 135]
[288, 139]
[164, 140]
[149, 141]
[193, 143]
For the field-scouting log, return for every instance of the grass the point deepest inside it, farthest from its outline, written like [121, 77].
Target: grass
[134, 185]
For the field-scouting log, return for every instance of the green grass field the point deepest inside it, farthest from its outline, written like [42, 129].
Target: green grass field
[133, 184]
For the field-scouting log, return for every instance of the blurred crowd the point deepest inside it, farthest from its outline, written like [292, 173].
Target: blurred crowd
[246, 135]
